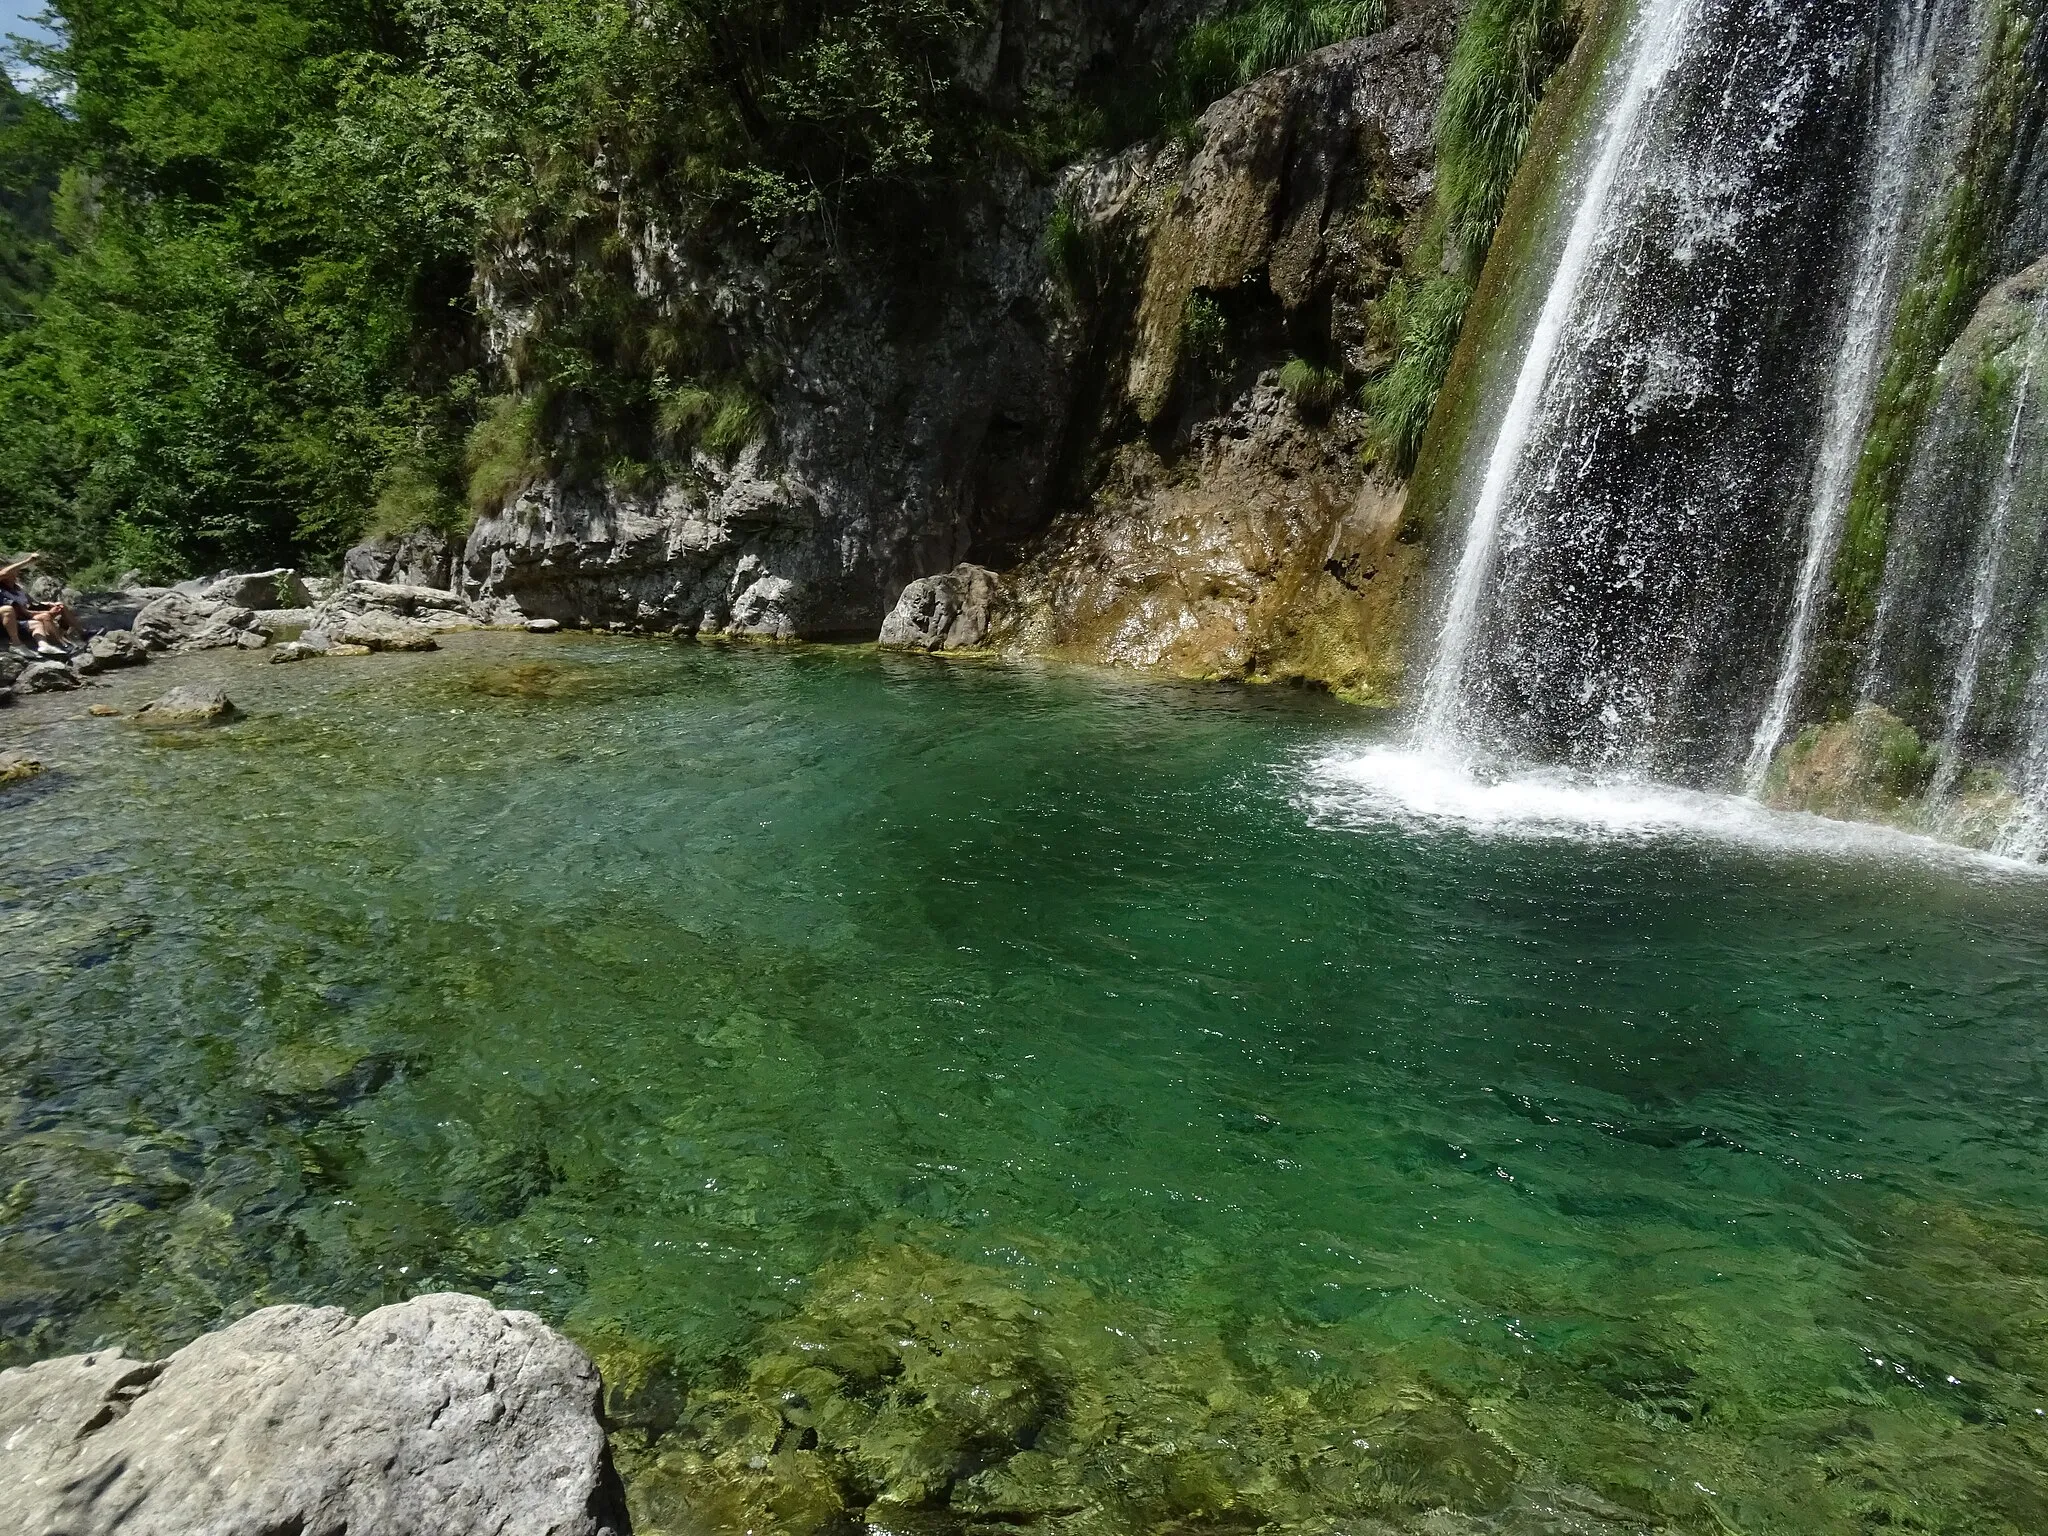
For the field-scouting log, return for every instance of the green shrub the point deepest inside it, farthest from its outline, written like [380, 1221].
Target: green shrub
[1505, 54]
[1426, 318]
[408, 499]
[1221, 54]
[1313, 391]
[1204, 337]
[721, 421]
[503, 452]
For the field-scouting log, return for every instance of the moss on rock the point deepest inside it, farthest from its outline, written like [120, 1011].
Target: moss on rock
[1870, 767]
[912, 1392]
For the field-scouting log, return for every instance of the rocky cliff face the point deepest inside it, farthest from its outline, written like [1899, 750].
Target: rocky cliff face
[918, 394]
[1235, 525]
[1105, 419]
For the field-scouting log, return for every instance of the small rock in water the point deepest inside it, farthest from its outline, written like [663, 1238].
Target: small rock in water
[16, 766]
[542, 626]
[377, 630]
[103, 711]
[189, 704]
[948, 612]
[439, 1414]
[296, 650]
[118, 648]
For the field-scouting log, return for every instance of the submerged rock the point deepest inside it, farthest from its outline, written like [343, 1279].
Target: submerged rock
[15, 767]
[912, 1392]
[188, 704]
[440, 1416]
[948, 612]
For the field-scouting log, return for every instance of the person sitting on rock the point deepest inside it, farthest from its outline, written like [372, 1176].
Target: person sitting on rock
[47, 623]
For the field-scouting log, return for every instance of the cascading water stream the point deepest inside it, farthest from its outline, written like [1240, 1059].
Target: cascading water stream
[1906, 91]
[1983, 591]
[1655, 44]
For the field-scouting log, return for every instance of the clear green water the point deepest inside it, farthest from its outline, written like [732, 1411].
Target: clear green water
[986, 1098]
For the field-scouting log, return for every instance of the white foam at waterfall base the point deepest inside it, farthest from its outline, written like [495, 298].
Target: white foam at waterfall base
[1424, 792]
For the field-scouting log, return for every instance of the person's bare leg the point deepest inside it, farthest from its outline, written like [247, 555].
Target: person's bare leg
[10, 619]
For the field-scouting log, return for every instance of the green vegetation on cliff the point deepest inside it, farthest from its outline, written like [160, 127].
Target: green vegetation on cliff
[1956, 266]
[1506, 53]
[254, 331]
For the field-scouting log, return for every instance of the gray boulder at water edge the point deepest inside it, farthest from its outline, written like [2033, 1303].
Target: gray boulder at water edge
[187, 621]
[948, 612]
[280, 588]
[440, 1416]
[118, 648]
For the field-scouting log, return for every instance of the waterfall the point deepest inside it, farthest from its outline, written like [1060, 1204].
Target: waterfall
[1655, 42]
[1614, 603]
[1983, 592]
[1906, 91]
[1661, 470]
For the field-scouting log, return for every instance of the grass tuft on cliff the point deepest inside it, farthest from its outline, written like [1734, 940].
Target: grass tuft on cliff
[1425, 317]
[1221, 54]
[1505, 54]
[721, 420]
[1313, 391]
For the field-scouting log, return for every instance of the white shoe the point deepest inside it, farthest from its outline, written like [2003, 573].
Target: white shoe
[45, 648]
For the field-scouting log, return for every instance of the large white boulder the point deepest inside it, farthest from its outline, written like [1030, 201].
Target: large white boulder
[440, 1416]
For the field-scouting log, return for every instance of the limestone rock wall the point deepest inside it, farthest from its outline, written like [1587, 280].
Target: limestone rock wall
[1041, 416]
[1232, 527]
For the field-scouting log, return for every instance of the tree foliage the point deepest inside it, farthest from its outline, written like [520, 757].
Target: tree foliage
[245, 316]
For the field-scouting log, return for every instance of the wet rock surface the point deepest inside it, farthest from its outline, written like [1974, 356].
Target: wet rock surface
[440, 1416]
[1245, 532]
[188, 704]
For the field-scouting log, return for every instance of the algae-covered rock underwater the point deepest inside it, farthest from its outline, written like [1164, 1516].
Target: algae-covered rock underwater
[1155, 766]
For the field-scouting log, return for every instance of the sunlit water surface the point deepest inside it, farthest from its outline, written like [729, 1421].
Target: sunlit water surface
[1302, 1137]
